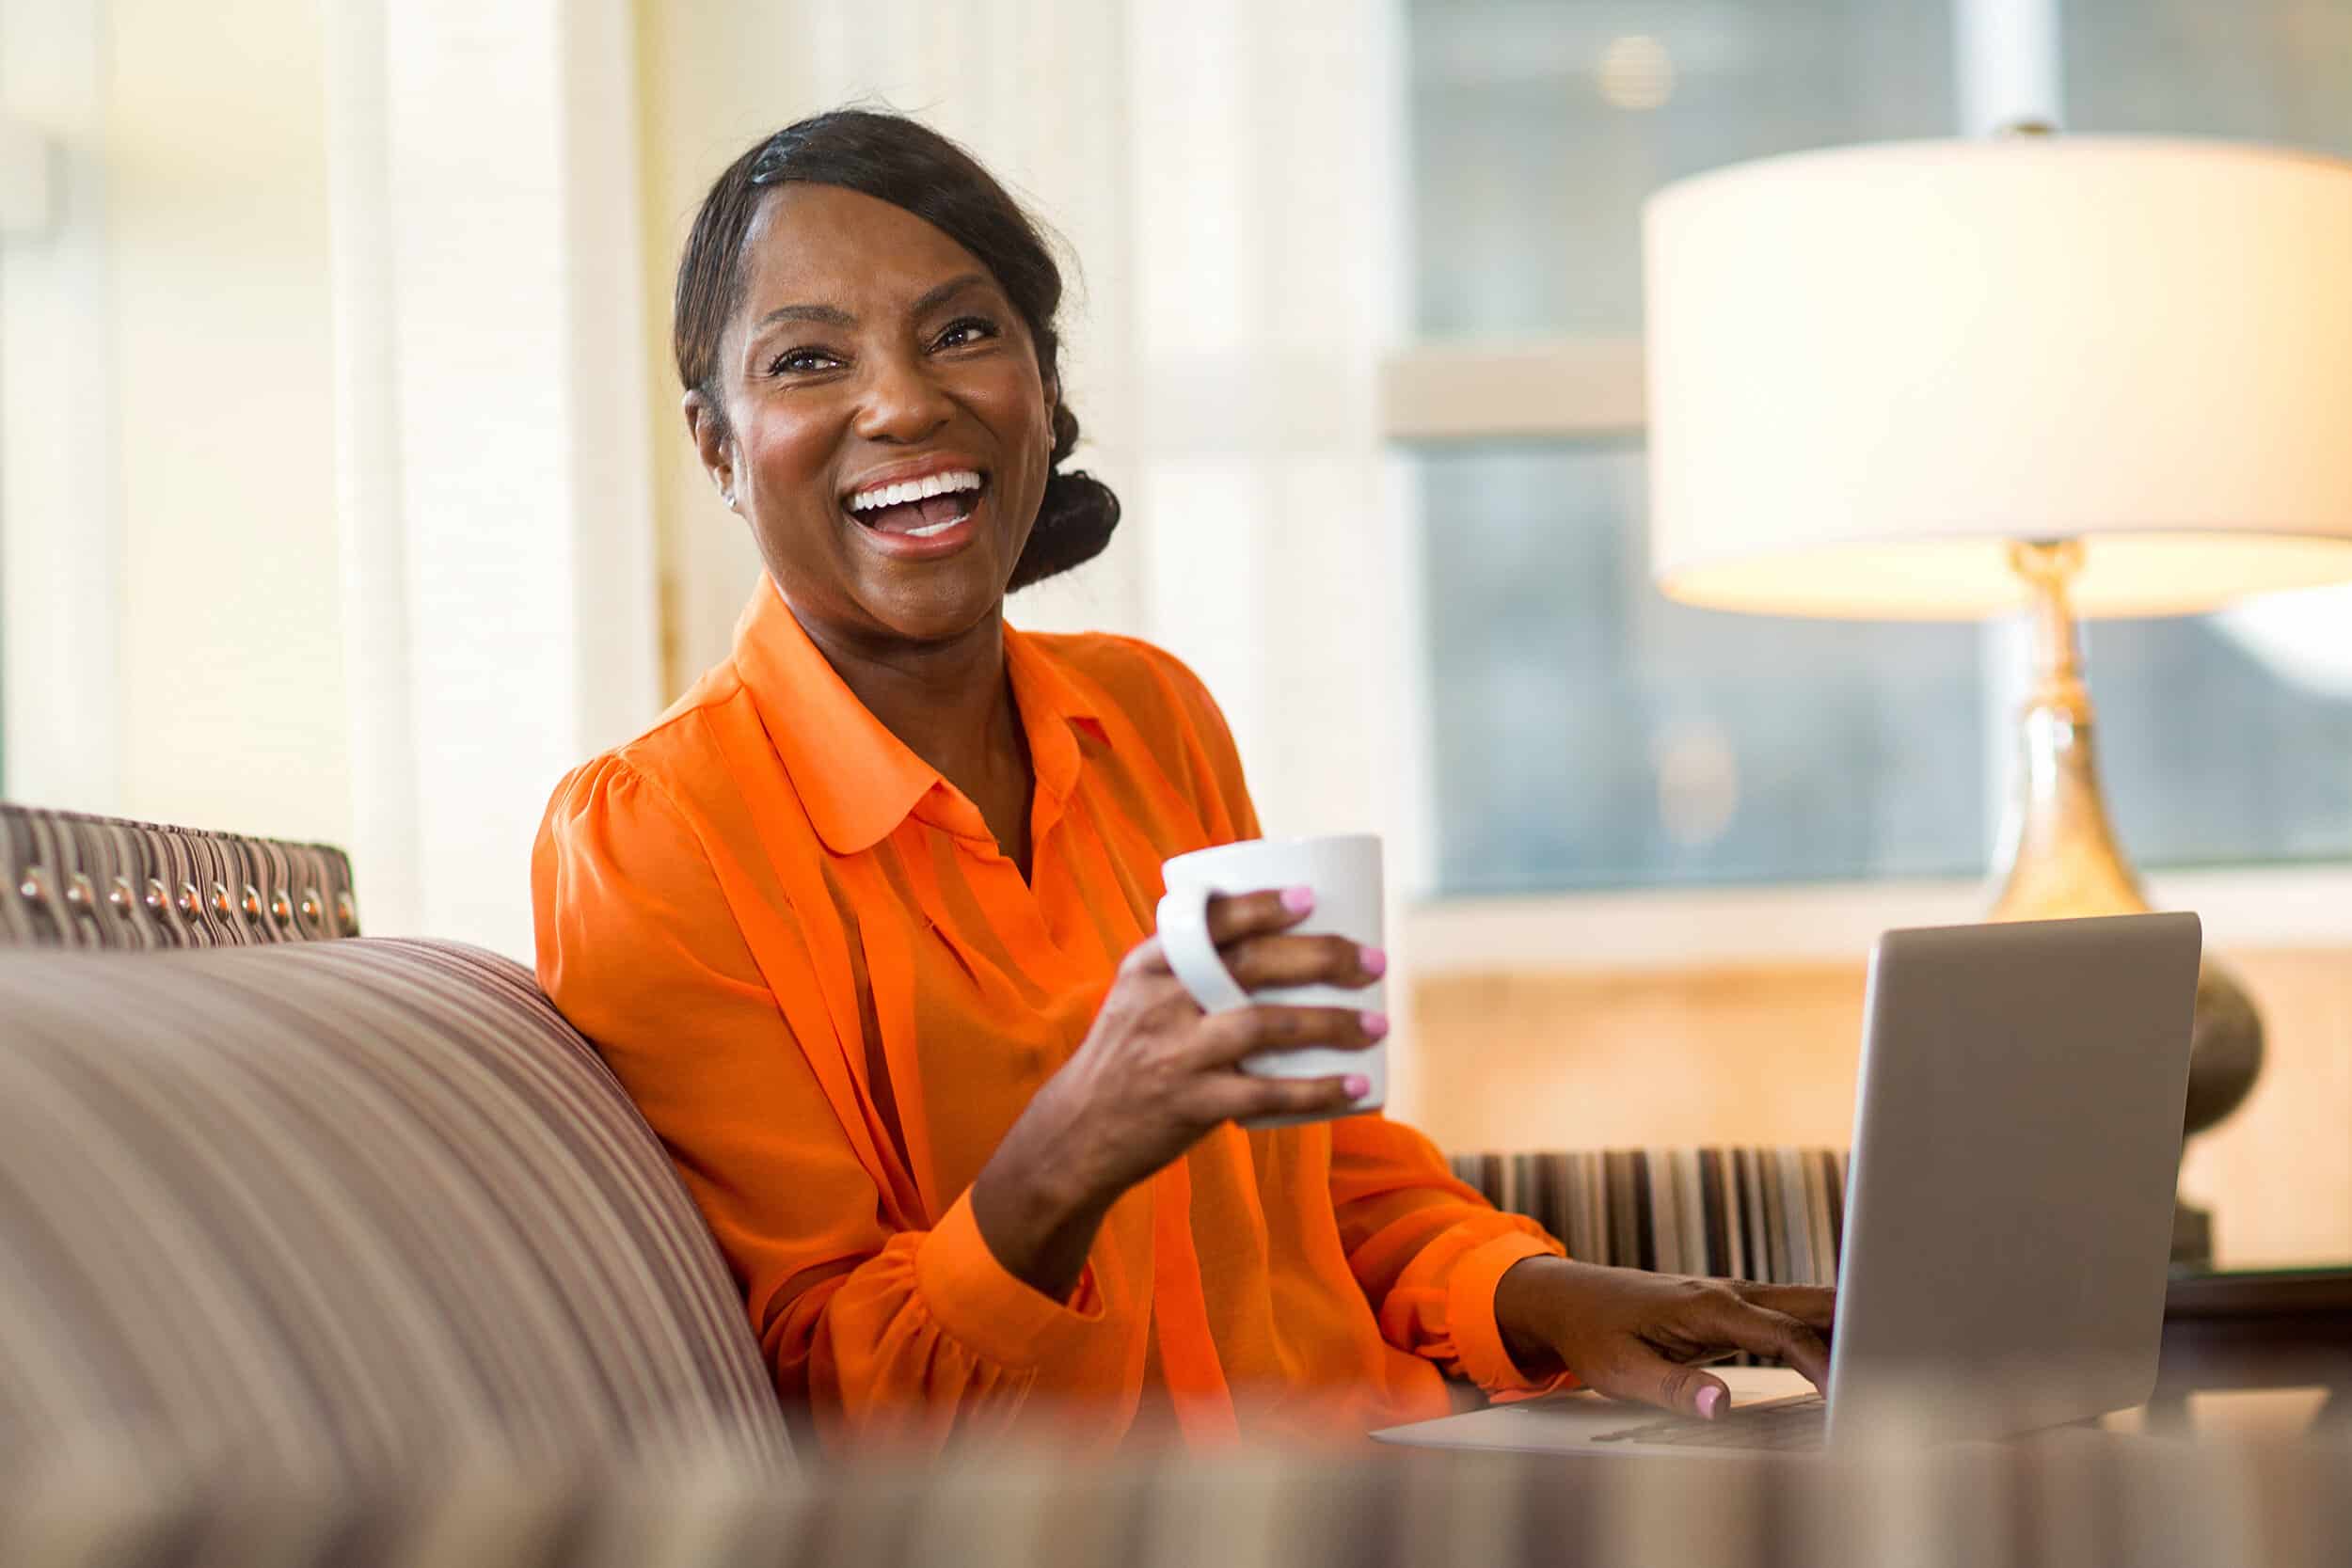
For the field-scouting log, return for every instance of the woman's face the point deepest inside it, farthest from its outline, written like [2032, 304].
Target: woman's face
[887, 433]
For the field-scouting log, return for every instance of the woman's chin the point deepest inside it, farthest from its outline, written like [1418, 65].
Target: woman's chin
[938, 599]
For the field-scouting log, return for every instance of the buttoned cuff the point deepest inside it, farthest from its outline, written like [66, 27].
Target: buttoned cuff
[976, 1300]
[1478, 1346]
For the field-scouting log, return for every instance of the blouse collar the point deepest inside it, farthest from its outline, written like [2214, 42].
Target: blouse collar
[858, 781]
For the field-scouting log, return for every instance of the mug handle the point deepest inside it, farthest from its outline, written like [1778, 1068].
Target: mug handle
[1184, 922]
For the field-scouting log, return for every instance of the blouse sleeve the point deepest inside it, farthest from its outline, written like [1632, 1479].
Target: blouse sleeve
[1429, 1251]
[888, 1333]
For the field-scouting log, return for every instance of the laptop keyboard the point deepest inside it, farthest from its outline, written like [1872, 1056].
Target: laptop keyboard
[1791, 1423]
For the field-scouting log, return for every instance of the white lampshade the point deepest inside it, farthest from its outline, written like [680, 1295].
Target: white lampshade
[1870, 369]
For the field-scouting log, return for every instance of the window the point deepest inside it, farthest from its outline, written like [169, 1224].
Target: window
[1589, 734]
[1540, 126]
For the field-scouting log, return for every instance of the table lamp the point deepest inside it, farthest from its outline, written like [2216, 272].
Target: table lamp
[2052, 375]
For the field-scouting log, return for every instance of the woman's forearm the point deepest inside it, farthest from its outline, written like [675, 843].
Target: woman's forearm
[1038, 1212]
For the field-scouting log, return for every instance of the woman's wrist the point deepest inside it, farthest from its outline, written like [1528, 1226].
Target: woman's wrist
[1527, 1301]
[1037, 1215]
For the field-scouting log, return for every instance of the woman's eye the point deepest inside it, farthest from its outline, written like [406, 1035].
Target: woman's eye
[800, 361]
[962, 334]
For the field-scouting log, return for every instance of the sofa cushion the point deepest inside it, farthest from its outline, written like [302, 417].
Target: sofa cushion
[346, 1207]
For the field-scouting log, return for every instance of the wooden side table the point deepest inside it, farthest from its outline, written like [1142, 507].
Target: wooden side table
[2279, 1328]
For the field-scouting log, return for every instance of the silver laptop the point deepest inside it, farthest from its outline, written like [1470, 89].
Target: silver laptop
[2017, 1133]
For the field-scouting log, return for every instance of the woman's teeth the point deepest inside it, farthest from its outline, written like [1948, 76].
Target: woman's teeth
[914, 490]
[918, 508]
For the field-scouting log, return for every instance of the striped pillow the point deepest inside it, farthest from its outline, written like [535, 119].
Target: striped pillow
[345, 1208]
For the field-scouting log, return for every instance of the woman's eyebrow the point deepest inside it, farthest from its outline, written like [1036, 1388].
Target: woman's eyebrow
[933, 298]
[833, 316]
[829, 315]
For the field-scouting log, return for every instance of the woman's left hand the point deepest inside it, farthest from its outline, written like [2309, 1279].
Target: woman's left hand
[1633, 1335]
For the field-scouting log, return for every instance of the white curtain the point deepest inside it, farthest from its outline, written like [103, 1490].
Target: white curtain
[492, 454]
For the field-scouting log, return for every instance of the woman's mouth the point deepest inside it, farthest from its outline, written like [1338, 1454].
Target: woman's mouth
[919, 509]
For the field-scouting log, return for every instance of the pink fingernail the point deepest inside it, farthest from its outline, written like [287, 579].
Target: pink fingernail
[1376, 1025]
[1357, 1085]
[1373, 961]
[1711, 1400]
[1299, 900]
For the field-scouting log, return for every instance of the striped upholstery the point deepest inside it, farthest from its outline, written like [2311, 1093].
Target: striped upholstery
[2074, 1500]
[1772, 1214]
[98, 881]
[345, 1208]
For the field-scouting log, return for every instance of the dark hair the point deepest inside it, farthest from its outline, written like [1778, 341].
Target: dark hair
[908, 165]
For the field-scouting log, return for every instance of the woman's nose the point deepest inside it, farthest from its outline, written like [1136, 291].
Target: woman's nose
[901, 402]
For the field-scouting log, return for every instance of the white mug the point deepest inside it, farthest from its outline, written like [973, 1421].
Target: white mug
[1345, 872]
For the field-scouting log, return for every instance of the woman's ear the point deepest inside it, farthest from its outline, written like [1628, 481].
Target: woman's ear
[711, 444]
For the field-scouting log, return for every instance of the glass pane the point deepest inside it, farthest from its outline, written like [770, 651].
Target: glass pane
[1589, 734]
[2275, 71]
[1539, 126]
[2211, 756]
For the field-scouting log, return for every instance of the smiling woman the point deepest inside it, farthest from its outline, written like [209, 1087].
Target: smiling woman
[864, 922]
[876, 187]
[865, 358]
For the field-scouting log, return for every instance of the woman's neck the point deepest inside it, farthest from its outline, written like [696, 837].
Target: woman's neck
[951, 704]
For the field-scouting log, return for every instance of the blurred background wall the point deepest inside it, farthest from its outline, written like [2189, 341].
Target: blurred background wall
[343, 494]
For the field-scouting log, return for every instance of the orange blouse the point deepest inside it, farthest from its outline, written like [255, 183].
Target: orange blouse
[831, 995]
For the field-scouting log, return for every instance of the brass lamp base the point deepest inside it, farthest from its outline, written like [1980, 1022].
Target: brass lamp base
[2059, 859]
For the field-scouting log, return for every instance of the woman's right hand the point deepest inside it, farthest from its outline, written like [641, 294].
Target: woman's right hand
[1156, 1073]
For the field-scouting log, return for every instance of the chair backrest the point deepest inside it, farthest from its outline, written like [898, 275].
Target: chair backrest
[1770, 1214]
[72, 880]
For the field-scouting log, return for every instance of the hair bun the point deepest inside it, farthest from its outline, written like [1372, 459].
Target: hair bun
[1074, 523]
